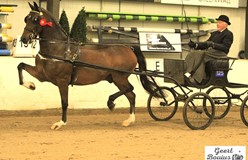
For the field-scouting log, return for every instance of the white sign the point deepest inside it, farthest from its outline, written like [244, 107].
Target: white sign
[212, 3]
[25, 50]
[161, 42]
[225, 153]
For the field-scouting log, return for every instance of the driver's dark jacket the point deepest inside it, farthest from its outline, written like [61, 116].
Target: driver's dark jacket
[196, 60]
[222, 41]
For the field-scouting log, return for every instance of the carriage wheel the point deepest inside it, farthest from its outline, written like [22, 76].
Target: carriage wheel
[221, 100]
[244, 111]
[162, 108]
[195, 111]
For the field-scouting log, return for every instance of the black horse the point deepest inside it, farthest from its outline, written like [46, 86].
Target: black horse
[62, 62]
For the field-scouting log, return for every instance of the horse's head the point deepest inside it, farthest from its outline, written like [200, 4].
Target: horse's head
[35, 21]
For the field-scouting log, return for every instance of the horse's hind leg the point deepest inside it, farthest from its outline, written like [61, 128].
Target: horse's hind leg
[131, 98]
[127, 89]
[31, 70]
[112, 97]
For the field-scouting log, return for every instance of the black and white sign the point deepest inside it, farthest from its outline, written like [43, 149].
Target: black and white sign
[161, 42]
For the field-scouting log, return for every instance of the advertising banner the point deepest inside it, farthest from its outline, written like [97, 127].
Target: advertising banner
[212, 3]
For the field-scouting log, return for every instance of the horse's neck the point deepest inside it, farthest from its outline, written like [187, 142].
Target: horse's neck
[54, 34]
[53, 42]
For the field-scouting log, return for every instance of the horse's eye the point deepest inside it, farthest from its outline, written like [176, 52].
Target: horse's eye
[35, 19]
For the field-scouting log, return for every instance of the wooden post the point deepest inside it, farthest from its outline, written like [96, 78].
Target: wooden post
[246, 31]
[53, 7]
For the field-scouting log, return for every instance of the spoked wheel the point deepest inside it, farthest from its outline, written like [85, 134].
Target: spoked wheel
[162, 104]
[221, 100]
[198, 111]
[244, 111]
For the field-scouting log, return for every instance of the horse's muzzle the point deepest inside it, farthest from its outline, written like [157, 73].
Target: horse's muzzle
[24, 40]
[27, 40]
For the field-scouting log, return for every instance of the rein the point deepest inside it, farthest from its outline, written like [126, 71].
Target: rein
[77, 63]
[81, 63]
[58, 41]
[93, 43]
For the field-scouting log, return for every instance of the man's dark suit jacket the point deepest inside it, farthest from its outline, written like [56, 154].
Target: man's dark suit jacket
[222, 41]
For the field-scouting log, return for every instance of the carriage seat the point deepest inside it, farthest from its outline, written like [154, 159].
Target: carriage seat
[219, 64]
[219, 68]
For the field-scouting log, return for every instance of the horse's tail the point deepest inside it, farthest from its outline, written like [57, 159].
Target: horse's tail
[146, 81]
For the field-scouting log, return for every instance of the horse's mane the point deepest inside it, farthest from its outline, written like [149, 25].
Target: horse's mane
[44, 11]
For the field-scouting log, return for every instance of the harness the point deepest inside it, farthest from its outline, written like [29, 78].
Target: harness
[67, 57]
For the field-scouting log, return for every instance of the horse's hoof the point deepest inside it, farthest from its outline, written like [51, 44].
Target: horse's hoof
[29, 85]
[111, 105]
[58, 125]
[32, 87]
[127, 123]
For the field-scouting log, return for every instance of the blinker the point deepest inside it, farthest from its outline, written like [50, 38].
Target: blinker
[43, 22]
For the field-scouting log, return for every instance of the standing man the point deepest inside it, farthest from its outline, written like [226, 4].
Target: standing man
[217, 46]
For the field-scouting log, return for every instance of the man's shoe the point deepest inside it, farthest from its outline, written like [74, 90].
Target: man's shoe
[192, 80]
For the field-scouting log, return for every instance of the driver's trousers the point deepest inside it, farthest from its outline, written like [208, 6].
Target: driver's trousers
[195, 62]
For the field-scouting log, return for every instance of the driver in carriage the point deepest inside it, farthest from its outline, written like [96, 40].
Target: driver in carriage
[217, 46]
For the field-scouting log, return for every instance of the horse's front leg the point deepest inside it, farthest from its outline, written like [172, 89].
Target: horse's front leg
[31, 70]
[63, 89]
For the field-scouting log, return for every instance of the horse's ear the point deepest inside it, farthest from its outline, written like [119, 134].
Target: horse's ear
[31, 6]
[36, 7]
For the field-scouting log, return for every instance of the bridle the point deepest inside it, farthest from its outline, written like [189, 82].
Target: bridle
[40, 19]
